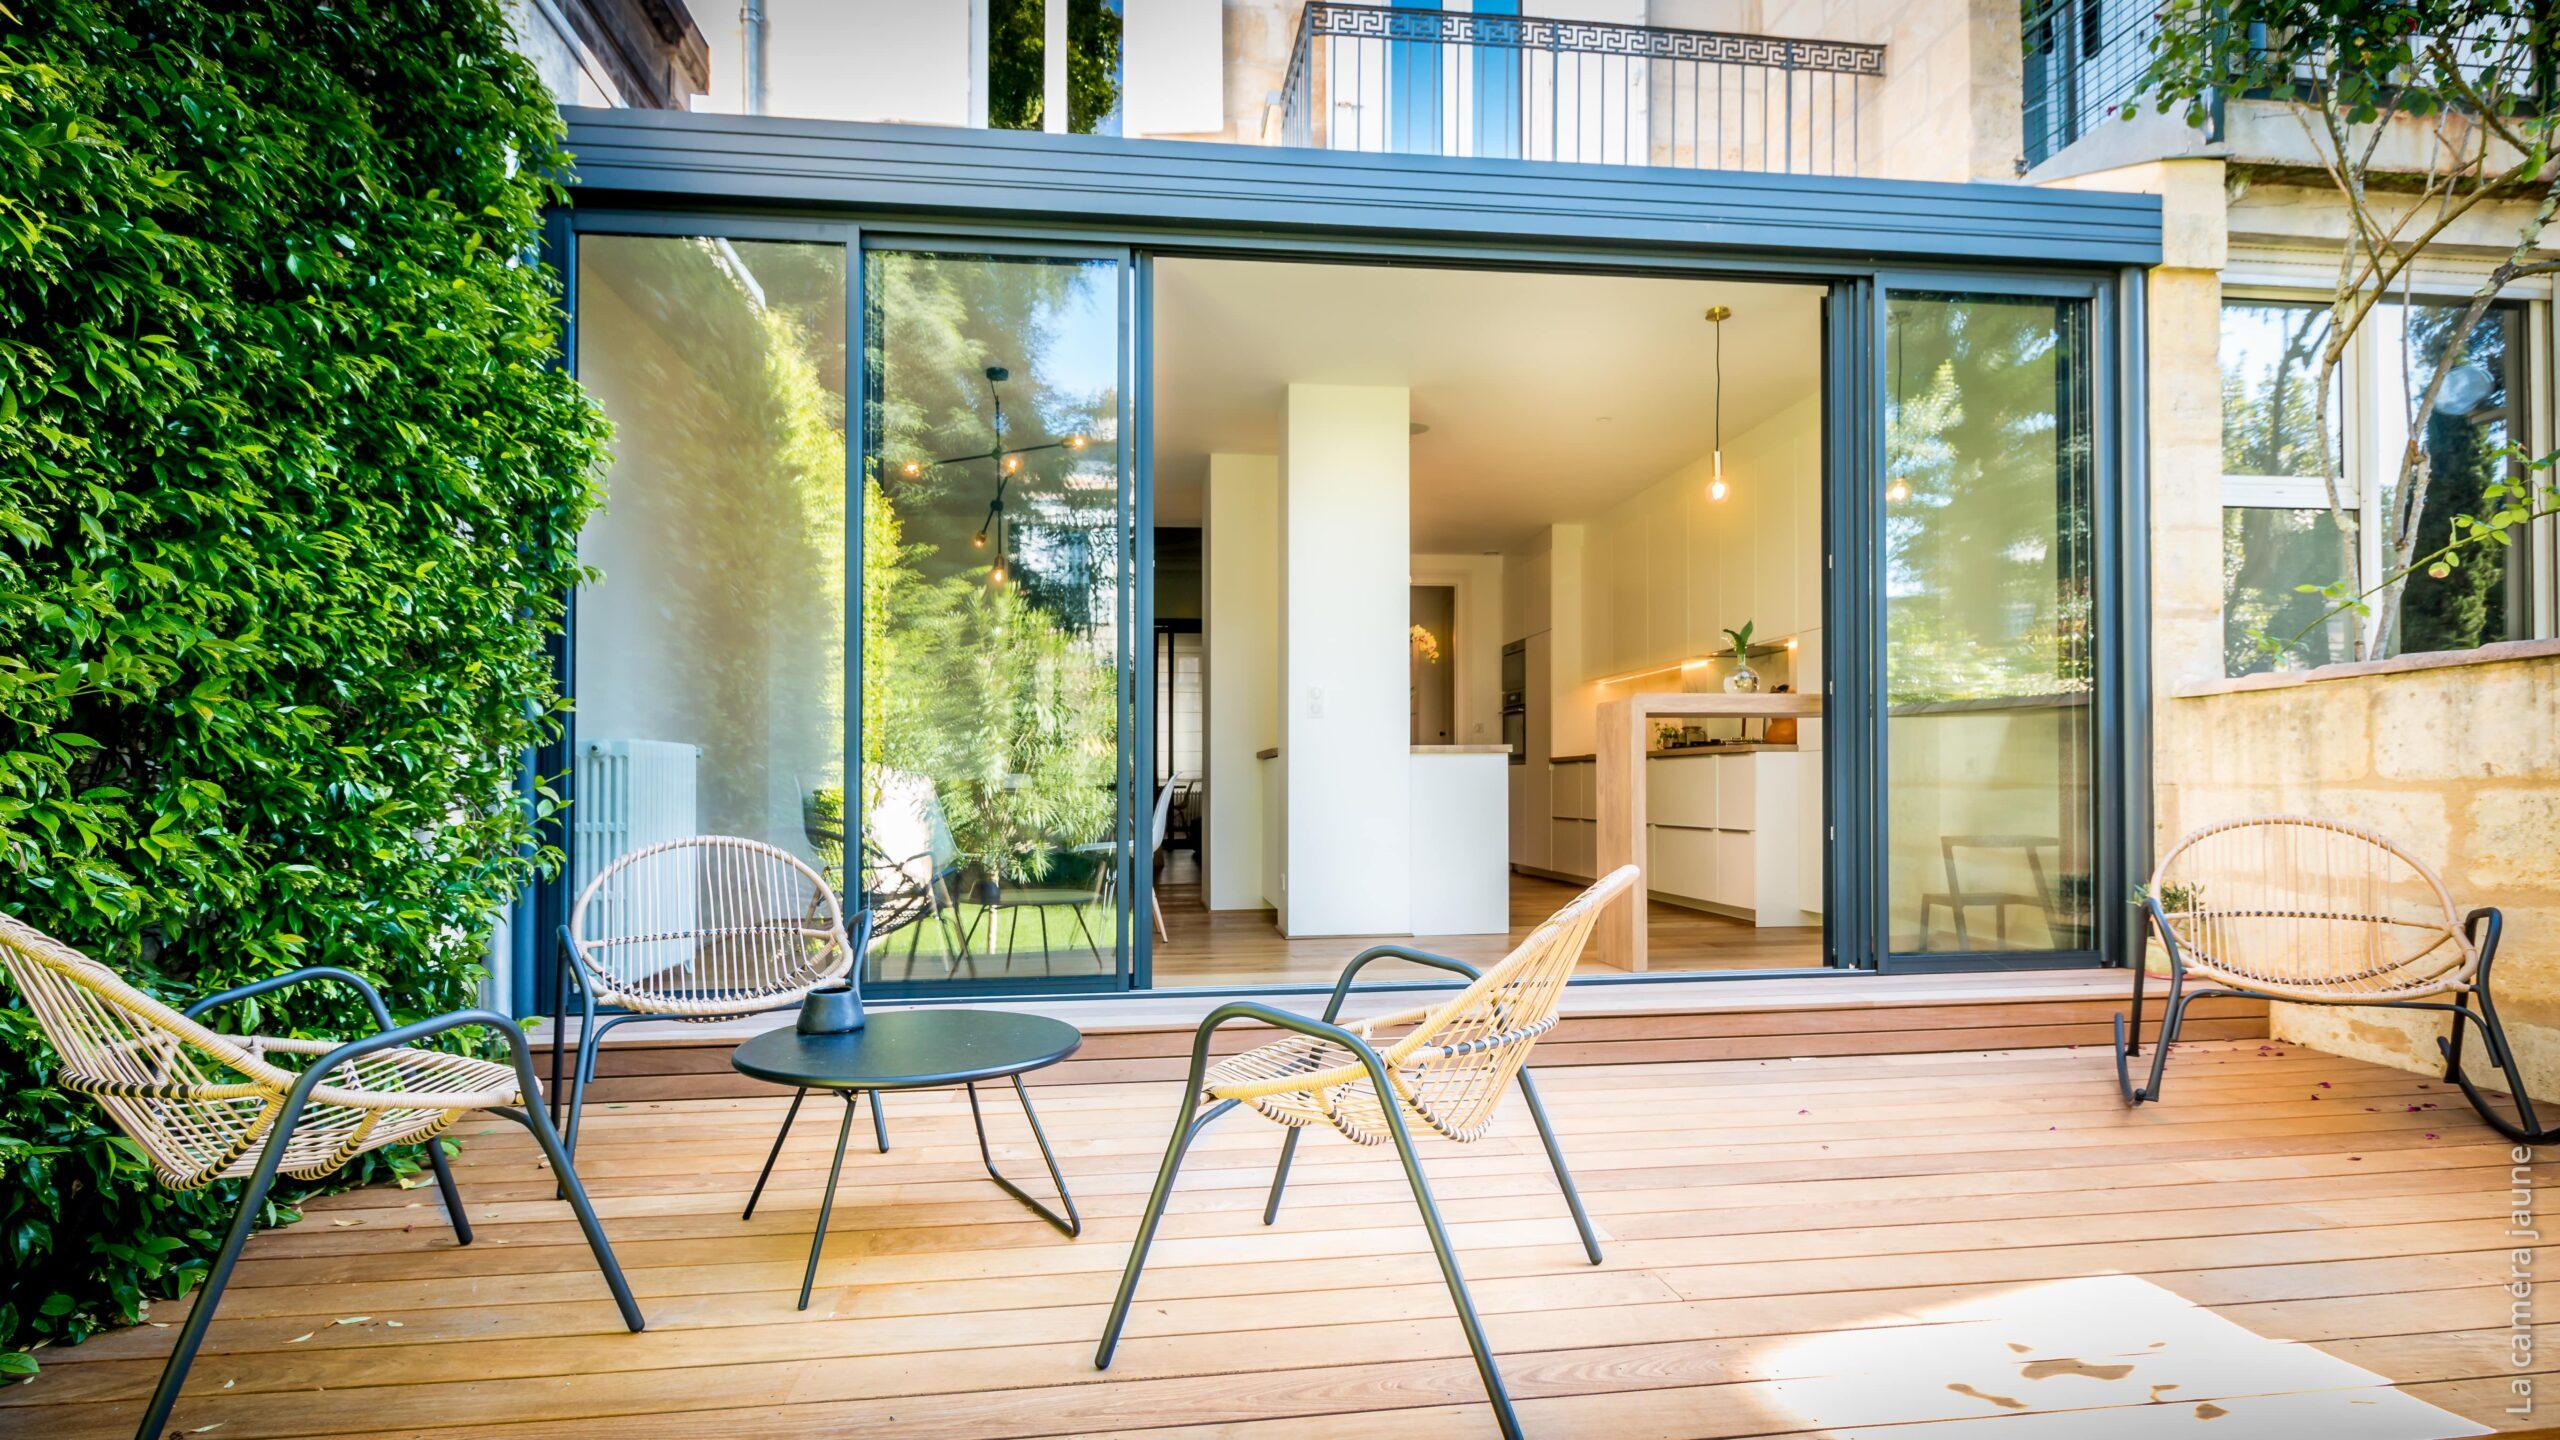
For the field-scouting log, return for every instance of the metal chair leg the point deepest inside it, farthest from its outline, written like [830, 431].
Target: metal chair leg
[452, 1196]
[775, 1153]
[2171, 1014]
[1555, 1157]
[1186, 1128]
[827, 1205]
[1071, 1223]
[1280, 1173]
[879, 1122]
[547, 1135]
[253, 1194]
[582, 1068]
[1458, 1296]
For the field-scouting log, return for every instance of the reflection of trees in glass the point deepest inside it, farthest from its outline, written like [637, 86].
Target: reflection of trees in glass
[1017, 60]
[2466, 606]
[2270, 400]
[737, 493]
[2267, 555]
[992, 648]
[1986, 517]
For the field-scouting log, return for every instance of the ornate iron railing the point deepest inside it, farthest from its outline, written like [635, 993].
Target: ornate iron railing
[1439, 82]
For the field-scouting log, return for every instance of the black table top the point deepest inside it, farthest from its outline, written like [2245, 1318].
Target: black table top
[910, 1050]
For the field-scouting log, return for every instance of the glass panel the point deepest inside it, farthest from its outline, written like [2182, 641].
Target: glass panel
[1988, 574]
[2267, 555]
[993, 559]
[710, 658]
[2270, 372]
[2467, 440]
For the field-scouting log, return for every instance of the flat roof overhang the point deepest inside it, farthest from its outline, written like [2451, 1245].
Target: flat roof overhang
[694, 159]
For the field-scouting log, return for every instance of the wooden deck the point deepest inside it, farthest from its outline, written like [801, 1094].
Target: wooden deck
[1920, 1245]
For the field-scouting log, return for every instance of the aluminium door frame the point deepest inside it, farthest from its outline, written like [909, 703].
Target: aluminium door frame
[2120, 695]
[1132, 950]
[1855, 937]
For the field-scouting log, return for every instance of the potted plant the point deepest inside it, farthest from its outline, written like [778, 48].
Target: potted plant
[1744, 680]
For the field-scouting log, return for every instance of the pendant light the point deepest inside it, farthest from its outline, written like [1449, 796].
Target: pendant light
[1716, 316]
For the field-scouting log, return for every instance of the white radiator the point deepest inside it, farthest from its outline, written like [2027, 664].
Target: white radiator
[629, 795]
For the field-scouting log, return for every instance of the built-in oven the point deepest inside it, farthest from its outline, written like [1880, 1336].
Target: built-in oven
[1515, 700]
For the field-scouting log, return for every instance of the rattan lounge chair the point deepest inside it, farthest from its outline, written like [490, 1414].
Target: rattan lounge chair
[1445, 1067]
[710, 927]
[205, 1106]
[2314, 912]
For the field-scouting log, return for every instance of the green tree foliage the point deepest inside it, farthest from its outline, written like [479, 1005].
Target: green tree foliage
[288, 490]
[1017, 59]
[2464, 87]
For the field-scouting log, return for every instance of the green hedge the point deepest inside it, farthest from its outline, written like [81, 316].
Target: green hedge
[288, 490]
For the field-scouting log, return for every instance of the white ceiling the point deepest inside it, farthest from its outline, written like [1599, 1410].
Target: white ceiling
[1549, 397]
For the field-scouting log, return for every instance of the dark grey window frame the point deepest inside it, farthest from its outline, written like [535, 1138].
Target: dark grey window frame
[880, 185]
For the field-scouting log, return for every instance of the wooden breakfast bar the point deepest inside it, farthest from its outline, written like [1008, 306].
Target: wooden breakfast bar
[1622, 744]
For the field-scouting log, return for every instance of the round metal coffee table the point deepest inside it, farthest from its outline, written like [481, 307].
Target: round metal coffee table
[912, 1050]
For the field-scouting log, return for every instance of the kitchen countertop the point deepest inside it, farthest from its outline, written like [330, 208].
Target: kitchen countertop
[1461, 749]
[1685, 752]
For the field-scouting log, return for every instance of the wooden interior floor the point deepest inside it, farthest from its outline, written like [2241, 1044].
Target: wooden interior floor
[1245, 947]
[1941, 1245]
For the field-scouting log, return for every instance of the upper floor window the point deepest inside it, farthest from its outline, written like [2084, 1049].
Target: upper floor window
[2283, 528]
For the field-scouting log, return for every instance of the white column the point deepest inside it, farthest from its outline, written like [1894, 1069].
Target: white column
[1241, 540]
[1053, 69]
[1346, 531]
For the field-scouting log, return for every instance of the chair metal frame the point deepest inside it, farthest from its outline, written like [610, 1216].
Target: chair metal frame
[1395, 1077]
[198, 1126]
[579, 972]
[2192, 938]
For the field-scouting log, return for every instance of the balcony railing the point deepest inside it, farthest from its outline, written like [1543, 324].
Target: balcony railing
[1437, 82]
[2085, 59]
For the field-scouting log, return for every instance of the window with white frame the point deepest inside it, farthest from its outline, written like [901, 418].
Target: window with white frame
[2280, 532]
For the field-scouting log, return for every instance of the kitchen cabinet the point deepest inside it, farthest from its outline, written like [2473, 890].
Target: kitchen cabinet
[1725, 830]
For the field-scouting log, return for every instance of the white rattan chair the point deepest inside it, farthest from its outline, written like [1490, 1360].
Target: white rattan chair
[1445, 1067]
[710, 927]
[204, 1106]
[2315, 912]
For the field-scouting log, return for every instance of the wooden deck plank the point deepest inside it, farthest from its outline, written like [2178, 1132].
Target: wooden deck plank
[2296, 1240]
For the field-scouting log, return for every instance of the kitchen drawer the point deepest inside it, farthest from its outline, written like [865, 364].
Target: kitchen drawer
[1684, 863]
[1681, 791]
[1737, 791]
[1736, 876]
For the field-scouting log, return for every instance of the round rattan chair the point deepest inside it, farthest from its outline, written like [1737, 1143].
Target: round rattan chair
[1444, 1067]
[205, 1106]
[710, 927]
[2316, 912]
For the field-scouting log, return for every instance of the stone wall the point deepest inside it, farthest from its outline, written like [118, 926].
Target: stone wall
[2456, 757]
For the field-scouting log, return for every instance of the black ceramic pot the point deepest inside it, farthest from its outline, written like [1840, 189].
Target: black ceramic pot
[831, 1009]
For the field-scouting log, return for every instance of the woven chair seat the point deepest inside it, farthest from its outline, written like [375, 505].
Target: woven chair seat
[202, 1131]
[1303, 1080]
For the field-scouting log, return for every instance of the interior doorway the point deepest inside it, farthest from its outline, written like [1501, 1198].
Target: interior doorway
[1414, 487]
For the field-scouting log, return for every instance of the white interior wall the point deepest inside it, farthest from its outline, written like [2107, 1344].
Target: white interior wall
[1346, 527]
[1173, 68]
[856, 60]
[1240, 536]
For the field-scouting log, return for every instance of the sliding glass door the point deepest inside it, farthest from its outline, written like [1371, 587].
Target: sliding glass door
[996, 795]
[1987, 526]
[708, 658]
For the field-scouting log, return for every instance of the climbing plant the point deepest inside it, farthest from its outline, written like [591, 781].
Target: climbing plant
[289, 489]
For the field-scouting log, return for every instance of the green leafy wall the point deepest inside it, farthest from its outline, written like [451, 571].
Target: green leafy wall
[288, 490]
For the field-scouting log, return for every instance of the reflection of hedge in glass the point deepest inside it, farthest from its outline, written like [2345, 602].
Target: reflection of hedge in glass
[2467, 452]
[743, 508]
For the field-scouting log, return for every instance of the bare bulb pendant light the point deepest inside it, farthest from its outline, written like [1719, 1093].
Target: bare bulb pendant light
[1716, 316]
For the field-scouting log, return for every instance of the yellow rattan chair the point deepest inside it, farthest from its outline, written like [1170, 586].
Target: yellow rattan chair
[1445, 1067]
[709, 927]
[205, 1106]
[2315, 912]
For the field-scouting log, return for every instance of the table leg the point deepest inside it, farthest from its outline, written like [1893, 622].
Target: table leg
[775, 1153]
[826, 1207]
[1071, 1223]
